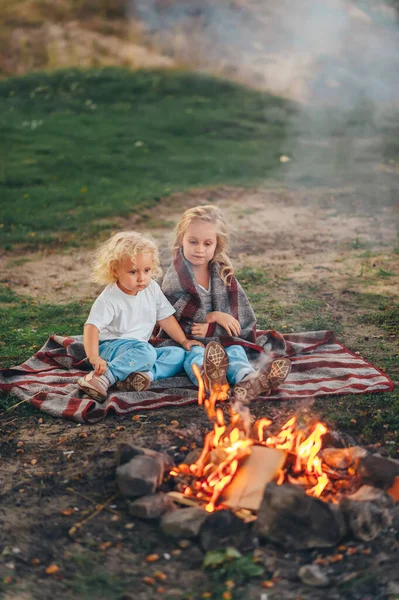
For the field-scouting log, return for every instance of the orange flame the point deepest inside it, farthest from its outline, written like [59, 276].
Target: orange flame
[225, 447]
[305, 451]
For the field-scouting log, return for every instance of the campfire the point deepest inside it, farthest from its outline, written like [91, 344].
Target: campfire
[228, 447]
[296, 485]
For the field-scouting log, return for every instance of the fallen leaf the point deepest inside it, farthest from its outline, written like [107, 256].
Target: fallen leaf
[336, 558]
[67, 511]
[52, 569]
[105, 545]
[152, 558]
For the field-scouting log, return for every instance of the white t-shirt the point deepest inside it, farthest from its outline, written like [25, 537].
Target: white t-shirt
[206, 295]
[119, 315]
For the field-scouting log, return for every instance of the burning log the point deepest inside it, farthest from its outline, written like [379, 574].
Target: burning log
[247, 488]
[228, 471]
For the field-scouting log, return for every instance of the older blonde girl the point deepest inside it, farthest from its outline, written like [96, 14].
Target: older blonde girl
[211, 306]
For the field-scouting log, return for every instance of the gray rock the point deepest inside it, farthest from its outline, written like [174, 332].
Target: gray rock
[140, 476]
[221, 529]
[125, 452]
[151, 507]
[313, 575]
[393, 588]
[365, 520]
[368, 493]
[183, 523]
[296, 521]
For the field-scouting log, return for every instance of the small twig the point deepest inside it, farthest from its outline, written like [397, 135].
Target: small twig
[78, 525]
[14, 406]
[111, 510]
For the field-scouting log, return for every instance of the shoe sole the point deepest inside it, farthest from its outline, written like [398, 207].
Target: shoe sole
[216, 363]
[280, 369]
[270, 377]
[135, 382]
[90, 390]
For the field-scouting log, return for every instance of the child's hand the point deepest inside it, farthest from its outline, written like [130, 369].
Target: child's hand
[228, 322]
[99, 364]
[199, 329]
[188, 343]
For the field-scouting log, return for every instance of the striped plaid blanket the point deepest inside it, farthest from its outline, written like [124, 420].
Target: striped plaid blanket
[320, 366]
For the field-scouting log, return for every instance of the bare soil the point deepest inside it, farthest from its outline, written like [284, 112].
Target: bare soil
[48, 467]
[296, 234]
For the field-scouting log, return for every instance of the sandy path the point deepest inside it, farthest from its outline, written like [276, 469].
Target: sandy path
[290, 233]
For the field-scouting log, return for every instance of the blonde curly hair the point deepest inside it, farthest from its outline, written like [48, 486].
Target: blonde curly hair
[113, 251]
[207, 214]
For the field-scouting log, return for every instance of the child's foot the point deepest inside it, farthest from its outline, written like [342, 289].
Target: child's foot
[216, 363]
[135, 382]
[95, 386]
[267, 378]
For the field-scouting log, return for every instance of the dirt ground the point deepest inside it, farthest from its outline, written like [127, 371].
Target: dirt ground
[55, 474]
[296, 234]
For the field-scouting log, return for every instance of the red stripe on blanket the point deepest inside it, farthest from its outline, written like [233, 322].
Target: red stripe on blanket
[320, 366]
[324, 390]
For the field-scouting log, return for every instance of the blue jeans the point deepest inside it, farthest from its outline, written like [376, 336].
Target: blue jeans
[239, 365]
[125, 356]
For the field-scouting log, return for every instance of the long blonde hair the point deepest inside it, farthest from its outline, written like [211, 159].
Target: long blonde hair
[111, 253]
[207, 214]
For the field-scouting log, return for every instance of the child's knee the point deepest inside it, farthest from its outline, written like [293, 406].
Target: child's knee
[236, 351]
[148, 353]
[175, 355]
[194, 356]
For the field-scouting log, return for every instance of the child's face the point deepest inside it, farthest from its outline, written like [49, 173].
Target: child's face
[133, 277]
[199, 243]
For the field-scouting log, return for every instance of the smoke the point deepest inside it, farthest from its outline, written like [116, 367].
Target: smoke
[338, 59]
[322, 53]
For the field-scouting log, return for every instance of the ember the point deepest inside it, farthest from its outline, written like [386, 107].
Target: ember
[228, 446]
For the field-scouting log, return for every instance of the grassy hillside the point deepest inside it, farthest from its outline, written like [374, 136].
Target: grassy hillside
[80, 147]
[77, 147]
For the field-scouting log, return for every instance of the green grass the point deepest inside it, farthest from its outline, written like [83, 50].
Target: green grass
[29, 324]
[88, 579]
[80, 147]
[26, 328]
